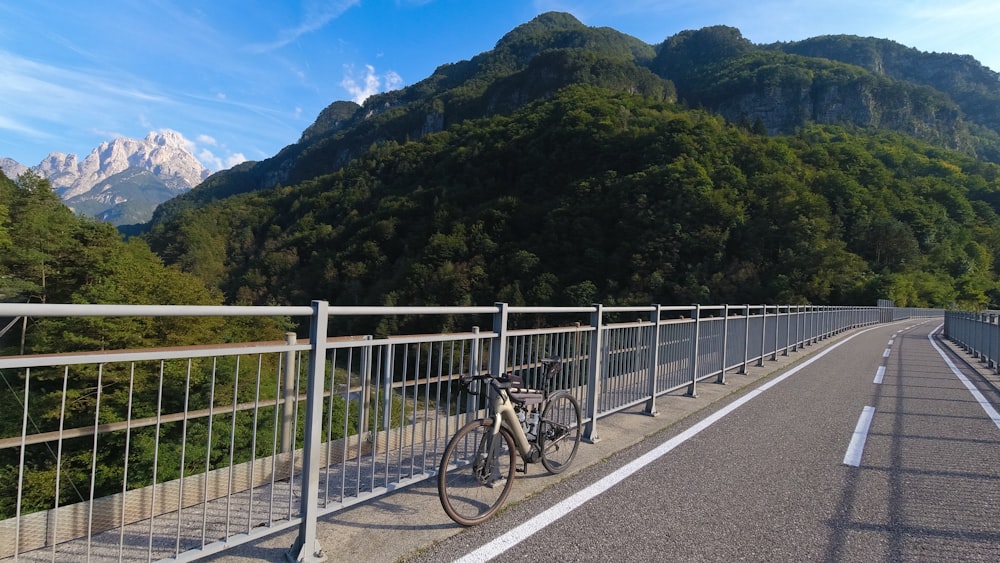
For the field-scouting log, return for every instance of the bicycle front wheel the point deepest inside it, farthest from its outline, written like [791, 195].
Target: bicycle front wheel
[477, 472]
[559, 431]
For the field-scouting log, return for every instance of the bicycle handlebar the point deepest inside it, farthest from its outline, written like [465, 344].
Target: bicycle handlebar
[552, 365]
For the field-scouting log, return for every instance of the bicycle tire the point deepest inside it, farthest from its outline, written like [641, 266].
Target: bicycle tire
[559, 430]
[468, 494]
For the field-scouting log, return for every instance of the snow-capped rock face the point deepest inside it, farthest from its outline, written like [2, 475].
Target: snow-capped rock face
[123, 180]
[164, 153]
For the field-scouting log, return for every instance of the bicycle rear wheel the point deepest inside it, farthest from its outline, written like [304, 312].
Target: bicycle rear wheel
[559, 431]
[473, 482]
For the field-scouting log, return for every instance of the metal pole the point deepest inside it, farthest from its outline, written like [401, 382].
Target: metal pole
[596, 368]
[746, 339]
[693, 386]
[763, 335]
[725, 344]
[654, 361]
[475, 365]
[306, 548]
[777, 321]
[498, 357]
[288, 411]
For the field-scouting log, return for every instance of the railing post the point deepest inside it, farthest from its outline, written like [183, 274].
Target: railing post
[746, 338]
[725, 345]
[993, 334]
[777, 323]
[596, 368]
[763, 335]
[498, 352]
[365, 375]
[306, 548]
[693, 386]
[788, 329]
[475, 365]
[798, 329]
[654, 360]
[288, 407]
[813, 324]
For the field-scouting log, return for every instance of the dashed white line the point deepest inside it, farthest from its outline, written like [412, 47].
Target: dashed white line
[857, 445]
[886, 353]
[529, 528]
[879, 374]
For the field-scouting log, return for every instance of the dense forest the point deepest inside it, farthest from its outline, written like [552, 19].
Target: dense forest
[50, 255]
[596, 195]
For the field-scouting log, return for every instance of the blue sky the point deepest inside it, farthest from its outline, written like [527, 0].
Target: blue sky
[242, 79]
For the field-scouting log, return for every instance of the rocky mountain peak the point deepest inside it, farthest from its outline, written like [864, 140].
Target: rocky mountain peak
[162, 162]
[165, 153]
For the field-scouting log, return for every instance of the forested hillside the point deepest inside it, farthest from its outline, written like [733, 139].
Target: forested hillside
[50, 255]
[597, 195]
[572, 164]
[948, 100]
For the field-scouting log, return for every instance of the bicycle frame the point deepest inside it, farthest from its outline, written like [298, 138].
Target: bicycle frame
[503, 412]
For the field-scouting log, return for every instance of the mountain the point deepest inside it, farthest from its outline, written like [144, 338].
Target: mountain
[949, 100]
[123, 180]
[531, 62]
[971, 85]
[572, 165]
[12, 168]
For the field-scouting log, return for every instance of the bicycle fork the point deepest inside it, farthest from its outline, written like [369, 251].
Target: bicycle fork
[492, 468]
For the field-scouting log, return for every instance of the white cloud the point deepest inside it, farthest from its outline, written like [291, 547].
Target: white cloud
[215, 163]
[318, 13]
[234, 159]
[206, 140]
[361, 87]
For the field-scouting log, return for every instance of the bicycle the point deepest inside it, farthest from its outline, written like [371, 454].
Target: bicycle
[479, 464]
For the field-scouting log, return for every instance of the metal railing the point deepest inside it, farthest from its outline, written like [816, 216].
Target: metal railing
[978, 333]
[175, 454]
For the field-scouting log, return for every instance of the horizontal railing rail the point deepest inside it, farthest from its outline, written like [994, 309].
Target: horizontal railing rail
[178, 453]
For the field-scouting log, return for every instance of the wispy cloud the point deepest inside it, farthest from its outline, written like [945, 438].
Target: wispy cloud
[362, 86]
[207, 140]
[317, 14]
[18, 127]
[40, 100]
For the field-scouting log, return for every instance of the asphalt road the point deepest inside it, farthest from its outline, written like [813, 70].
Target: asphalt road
[768, 474]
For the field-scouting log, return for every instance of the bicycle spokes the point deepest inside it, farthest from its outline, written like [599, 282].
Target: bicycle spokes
[477, 472]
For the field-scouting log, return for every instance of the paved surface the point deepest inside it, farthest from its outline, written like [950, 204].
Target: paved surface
[409, 524]
[400, 525]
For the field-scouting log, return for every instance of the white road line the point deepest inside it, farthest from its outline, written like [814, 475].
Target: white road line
[985, 404]
[891, 340]
[539, 522]
[879, 374]
[857, 445]
[886, 353]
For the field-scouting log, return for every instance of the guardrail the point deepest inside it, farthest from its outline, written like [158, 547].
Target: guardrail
[175, 454]
[978, 333]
